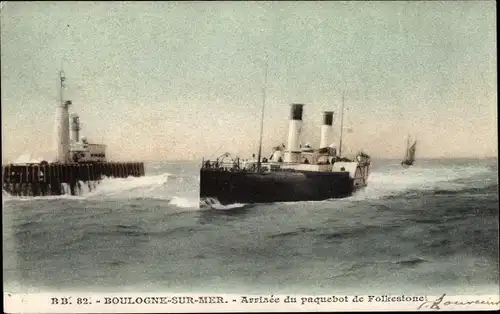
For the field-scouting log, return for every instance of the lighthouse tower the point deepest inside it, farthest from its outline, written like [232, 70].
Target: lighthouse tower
[62, 125]
[75, 128]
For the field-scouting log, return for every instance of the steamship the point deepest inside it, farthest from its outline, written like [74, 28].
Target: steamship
[292, 173]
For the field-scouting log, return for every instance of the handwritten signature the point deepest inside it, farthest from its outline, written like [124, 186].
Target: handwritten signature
[439, 302]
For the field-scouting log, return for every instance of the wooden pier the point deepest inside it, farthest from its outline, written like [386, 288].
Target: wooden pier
[48, 178]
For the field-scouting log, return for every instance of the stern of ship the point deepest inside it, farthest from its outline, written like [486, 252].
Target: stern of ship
[362, 170]
[359, 170]
[214, 178]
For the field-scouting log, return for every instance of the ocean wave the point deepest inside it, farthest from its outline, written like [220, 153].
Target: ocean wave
[213, 203]
[181, 189]
[119, 230]
[291, 233]
[138, 232]
[184, 202]
[396, 180]
[130, 187]
[410, 262]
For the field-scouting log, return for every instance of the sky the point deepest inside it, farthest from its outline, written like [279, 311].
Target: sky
[185, 80]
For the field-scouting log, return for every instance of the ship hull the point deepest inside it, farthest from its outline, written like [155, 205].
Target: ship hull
[406, 164]
[267, 187]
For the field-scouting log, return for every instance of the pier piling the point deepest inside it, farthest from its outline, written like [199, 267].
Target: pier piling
[48, 179]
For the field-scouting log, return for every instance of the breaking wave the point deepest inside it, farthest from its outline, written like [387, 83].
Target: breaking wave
[131, 187]
[395, 180]
[184, 202]
[181, 189]
[27, 158]
[163, 186]
[213, 203]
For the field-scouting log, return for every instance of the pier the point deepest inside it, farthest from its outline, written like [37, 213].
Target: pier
[77, 162]
[49, 178]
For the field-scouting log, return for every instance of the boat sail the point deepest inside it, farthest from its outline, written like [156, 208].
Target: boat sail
[410, 153]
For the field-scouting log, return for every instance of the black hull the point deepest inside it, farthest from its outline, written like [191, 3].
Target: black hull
[407, 164]
[282, 186]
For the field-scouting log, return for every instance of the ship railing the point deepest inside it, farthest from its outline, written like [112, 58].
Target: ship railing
[221, 165]
[247, 166]
[342, 159]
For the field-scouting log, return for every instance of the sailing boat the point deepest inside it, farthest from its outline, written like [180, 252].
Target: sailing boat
[410, 153]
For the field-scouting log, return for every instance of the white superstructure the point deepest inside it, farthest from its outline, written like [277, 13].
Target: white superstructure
[84, 151]
[304, 157]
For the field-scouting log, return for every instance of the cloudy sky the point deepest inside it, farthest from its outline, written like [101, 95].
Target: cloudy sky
[167, 80]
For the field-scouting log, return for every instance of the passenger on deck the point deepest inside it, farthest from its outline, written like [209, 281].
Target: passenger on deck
[280, 159]
[306, 161]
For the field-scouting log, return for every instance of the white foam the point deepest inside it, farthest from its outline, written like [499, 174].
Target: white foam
[227, 207]
[131, 187]
[183, 202]
[7, 197]
[386, 181]
[27, 158]
[395, 179]
[215, 204]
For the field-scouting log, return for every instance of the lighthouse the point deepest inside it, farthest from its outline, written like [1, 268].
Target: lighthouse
[33, 178]
[62, 125]
[75, 128]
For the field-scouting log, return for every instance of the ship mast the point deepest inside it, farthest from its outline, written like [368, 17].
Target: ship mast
[262, 118]
[407, 156]
[341, 124]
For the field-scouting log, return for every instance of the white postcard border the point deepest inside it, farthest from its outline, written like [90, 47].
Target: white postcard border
[171, 302]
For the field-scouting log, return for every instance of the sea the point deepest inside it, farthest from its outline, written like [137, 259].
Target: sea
[426, 230]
